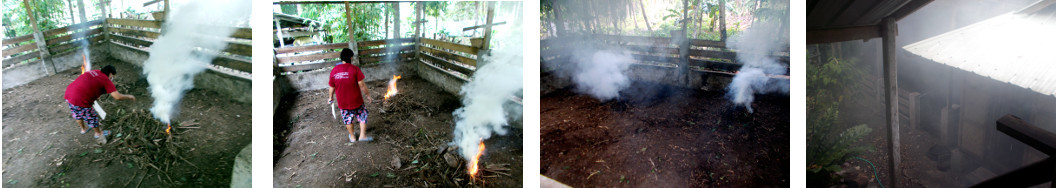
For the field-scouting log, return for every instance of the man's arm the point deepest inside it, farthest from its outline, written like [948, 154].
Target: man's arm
[330, 97]
[118, 96]
[363, 89]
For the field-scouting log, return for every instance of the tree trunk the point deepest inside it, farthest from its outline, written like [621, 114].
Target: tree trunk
[645, 16]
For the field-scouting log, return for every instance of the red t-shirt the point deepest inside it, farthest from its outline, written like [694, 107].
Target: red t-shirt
[88, 87]
[344, 78]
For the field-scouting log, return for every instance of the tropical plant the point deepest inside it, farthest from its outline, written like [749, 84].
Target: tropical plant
[50, 14]
[828, 144]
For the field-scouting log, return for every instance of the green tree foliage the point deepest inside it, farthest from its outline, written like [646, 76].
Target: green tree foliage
[828, 144]
[367, 19]
[50, 14]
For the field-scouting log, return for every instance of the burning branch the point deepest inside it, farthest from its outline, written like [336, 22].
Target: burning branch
[391, 91]
[475, 164]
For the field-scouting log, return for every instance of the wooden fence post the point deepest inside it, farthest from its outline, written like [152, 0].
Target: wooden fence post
[417, 29]
[351, 34]
[485, 46]
[396, 29]
[38, 38]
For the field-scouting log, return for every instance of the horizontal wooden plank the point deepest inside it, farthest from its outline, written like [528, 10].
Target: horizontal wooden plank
[239, 49]
[85, 33]
[447, 64]
[654, 58]
[708, 43]
[450, 46]
[233, 63]
[715, 65]
[449, 55]
[74, 27]
[368, 60]
[312, 66]
[309, 48]
[384, 42]
[310, 57]
[369, 52]
[21, 58]
[135, 32]
[652, 49]
[19, 49]
[243, 33]
[713, 54]
[655, 41]
[135, 42]
[73, 45]
[134, 22]
[18, 39]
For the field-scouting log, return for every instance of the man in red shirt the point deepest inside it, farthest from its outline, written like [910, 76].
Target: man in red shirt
[82, 93]
[346, 82]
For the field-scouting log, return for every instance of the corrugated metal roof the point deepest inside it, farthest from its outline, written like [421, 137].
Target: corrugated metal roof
[1019, 49]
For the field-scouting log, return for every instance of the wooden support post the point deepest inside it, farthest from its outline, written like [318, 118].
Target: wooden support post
[166, 8]
[106, 30]
[38, 38]
[73, 19]
[889, 32]
[487, 26]
[417, 29]
[396, 29]
[683, 47]
[84, 17]
[418, 8]
[102, 9]
[722, 21]
[560, 23]
[351, 34]
[278, 33]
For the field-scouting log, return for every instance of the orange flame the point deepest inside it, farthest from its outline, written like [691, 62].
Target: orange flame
[85, 64]
[168, 129]
[476, 160]
[391, 91]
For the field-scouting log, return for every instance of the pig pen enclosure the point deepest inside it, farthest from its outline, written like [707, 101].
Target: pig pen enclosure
[411, 129]
[673, 123]
[42, 144]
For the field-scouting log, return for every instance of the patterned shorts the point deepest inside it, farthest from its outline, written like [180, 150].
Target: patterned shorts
[90, 117]
[358, 113]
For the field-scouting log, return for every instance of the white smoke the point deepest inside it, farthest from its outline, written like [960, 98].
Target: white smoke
[490, 88]
[755, 47]
[174, 62]
[600, 73]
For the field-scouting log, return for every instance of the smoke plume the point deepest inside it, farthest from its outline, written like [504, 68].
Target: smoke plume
[755, 48]
[176, 57]
[490, 89]
[600, 73]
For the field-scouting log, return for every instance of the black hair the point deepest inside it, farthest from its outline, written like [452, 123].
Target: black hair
[346, 55]
[109, 70]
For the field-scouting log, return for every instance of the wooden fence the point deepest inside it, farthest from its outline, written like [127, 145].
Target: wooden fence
[24, 49]
[453, 58]
[140, 34]
[702, 55]
[129, 33]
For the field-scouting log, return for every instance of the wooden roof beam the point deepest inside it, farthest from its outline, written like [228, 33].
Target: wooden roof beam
[843, 34]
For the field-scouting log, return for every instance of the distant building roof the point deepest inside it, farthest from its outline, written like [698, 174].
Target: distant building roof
[1018, 48]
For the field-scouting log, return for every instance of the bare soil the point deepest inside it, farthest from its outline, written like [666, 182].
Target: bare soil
[661, 136]
[43, 146]
[411, 140]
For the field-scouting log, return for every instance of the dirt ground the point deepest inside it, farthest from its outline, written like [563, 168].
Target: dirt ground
[312, 148]
[663, 136]
[43, 147]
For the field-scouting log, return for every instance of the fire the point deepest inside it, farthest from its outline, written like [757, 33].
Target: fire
[476, 160]
[168, 129]
[392, 87]
[84, 66]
